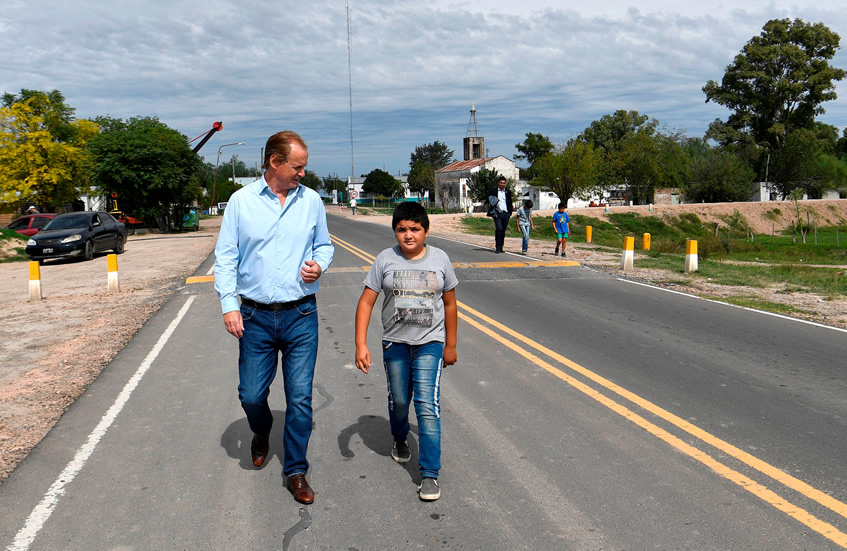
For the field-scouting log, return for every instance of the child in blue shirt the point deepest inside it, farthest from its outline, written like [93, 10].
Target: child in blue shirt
[561, 223]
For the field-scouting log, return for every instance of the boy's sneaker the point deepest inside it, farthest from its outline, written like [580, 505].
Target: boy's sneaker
[429, 490]
[564, 254]
[400, 452]
[557, 250]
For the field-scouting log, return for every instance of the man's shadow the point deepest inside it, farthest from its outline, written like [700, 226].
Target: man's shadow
[375, 433]
[237, 437]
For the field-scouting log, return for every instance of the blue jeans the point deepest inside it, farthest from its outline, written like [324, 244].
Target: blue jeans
[525, 234]
[415, 370]
[294, 334]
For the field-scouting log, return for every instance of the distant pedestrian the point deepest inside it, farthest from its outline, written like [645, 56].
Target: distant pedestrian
[525, 223]
[353, 206]
[419, 320]
[561, 223]
[500, 209]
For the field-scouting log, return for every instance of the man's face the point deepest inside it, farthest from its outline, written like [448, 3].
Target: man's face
[502, 184]
[288, 173]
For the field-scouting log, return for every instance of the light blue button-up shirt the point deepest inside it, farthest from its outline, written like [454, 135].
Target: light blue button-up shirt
[262, 245]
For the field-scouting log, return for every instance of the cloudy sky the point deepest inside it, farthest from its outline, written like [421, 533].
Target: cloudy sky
[417, 67]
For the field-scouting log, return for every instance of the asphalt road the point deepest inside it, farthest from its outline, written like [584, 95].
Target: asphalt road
[585, 412]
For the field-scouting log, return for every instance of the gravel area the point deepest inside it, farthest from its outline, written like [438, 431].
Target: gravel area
[51, 350]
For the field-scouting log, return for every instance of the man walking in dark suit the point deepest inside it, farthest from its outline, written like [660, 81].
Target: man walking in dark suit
[500, 201]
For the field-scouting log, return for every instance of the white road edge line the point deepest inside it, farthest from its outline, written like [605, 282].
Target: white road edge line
[789, 318]
[41, 513]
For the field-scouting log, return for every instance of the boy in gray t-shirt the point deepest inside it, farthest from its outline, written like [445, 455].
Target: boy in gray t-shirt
[419, 320]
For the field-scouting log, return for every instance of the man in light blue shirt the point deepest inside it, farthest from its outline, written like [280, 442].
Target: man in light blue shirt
[272, 248]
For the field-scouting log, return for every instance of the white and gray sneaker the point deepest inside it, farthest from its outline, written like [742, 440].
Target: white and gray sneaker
[400, 452]
[429, 490]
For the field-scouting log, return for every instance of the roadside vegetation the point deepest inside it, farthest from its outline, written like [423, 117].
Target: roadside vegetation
[727, 255]
[12, 246]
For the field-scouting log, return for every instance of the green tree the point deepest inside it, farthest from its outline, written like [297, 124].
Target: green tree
[43, 157]
[149, 165]
[571, 171]
[533, 148]
[311, 180]
[719, 176]
[610, 131]
[649, 161]
[483, 181]
[797, 166]
[422, 179]
[435, 154]
[382, 183]
[331, 182]
[777, 83]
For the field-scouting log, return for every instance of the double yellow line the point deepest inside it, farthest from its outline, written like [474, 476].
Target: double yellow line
[487, 326]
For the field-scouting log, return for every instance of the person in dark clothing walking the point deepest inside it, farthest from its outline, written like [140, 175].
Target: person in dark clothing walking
[500, 209]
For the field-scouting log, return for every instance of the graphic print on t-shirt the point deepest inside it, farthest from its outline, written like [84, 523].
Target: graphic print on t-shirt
[414, 297]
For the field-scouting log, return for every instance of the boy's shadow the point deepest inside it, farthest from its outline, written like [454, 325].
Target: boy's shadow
[237, 437]
[375, 433]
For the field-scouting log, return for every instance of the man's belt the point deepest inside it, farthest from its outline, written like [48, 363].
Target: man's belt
[276, 306]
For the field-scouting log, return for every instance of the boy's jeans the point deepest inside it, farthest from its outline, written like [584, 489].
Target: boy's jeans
[294, 333]
[416, 370]
[525, 233]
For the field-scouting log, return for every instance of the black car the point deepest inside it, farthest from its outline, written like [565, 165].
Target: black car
[78, 234]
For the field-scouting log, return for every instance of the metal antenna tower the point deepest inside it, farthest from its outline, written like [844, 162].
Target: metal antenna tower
[350, 86]
[473, 130]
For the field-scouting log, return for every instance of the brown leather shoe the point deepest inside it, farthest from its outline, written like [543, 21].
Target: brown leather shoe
[259, 449]
[300, 488]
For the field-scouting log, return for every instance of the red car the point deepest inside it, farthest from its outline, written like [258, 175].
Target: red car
[30, 224]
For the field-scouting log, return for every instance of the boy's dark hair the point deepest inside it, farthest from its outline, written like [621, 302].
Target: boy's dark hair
[409, 210]
[561, 205]
[527, 204]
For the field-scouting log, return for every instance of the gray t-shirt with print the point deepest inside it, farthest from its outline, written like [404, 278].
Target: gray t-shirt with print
[412, 307]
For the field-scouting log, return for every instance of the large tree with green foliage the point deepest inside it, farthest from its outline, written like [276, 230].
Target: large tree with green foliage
[570, 171]
[149, 165]
[648, 161]
[777, 83]
[382, 184]
[311, 180]
[609, 132]
[718, 176]
[481, 182]
[435, 154]
[43, 150]
[533, 148]
[422, 179]
[331, 182]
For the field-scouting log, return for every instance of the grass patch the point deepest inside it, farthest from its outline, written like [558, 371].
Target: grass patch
[12, 246]
[759, 304]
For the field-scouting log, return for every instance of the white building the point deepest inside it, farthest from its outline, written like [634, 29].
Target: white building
[452, 189]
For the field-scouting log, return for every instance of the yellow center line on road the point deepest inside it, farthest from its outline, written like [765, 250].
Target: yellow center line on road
[760, 491]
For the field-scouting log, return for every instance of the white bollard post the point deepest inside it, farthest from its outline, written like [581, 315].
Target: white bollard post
[628, 253]
[691, 256]
[114, 282]
[34, 281]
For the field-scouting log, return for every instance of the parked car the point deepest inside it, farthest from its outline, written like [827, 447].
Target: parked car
[78, 234]
[29, 224]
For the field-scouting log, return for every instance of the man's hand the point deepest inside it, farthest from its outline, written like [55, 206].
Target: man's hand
[310, 272]
[234, 323]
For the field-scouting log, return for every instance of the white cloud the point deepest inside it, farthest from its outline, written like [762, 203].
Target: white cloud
[530, 66]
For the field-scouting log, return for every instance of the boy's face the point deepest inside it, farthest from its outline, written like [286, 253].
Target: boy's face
[411, 237]
[561, 209]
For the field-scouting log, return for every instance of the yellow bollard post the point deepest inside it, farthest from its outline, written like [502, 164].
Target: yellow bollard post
[34, 281]
[628, 253]
[645, 243]
[691, 255]
[588, 231]
[114, 282]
